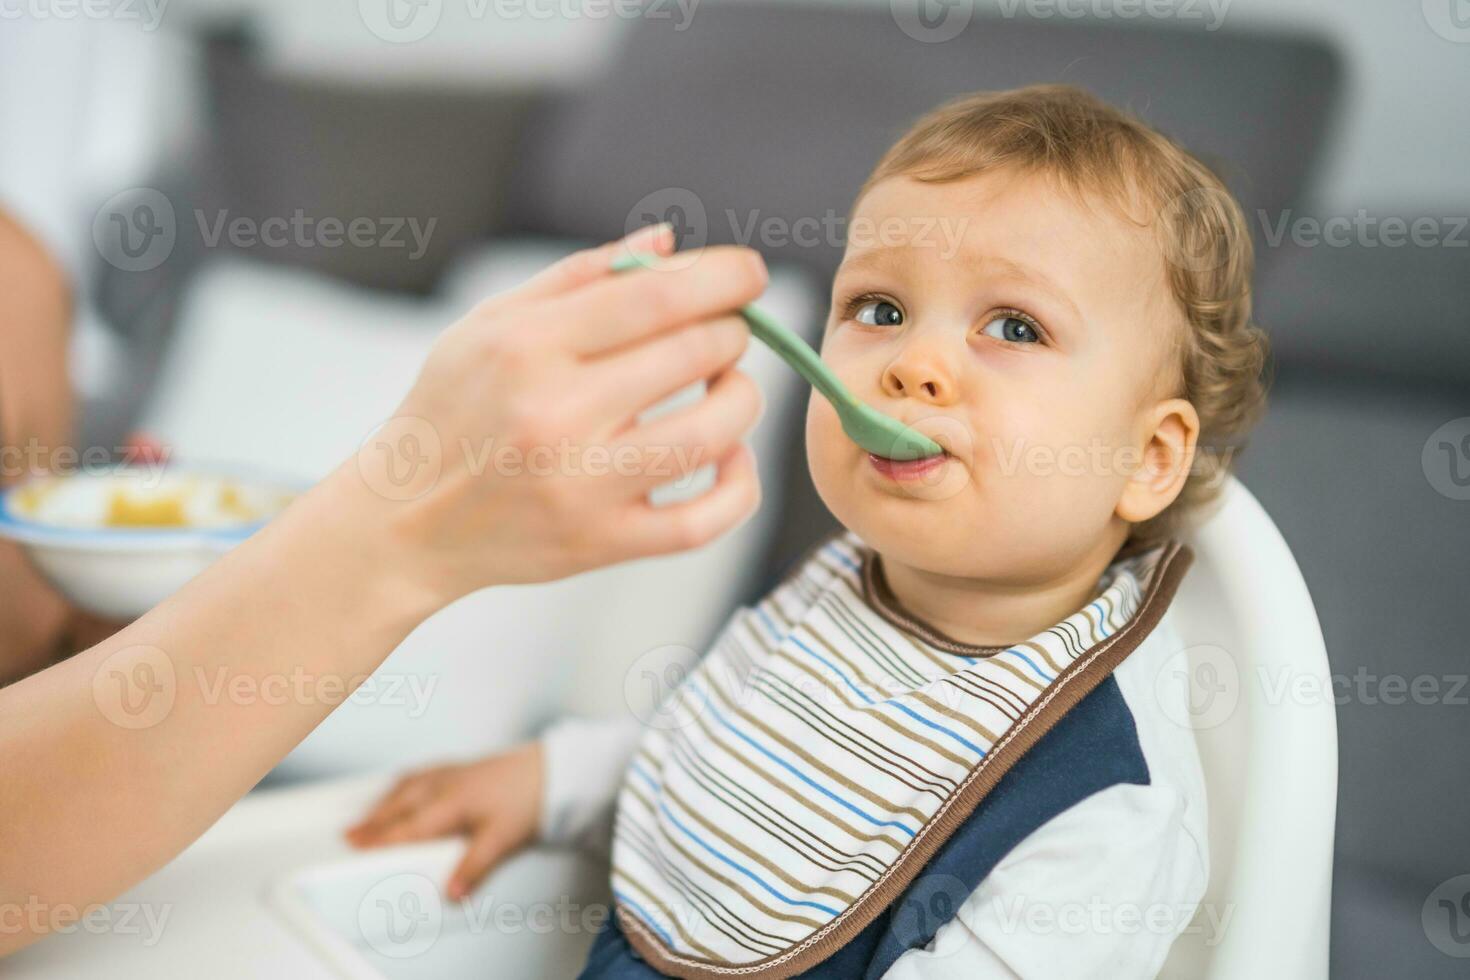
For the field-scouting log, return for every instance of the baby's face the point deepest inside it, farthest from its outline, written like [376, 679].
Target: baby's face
[1028, 332]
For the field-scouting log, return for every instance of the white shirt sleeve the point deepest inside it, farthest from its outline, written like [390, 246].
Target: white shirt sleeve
[584, 762]
[1100, 890]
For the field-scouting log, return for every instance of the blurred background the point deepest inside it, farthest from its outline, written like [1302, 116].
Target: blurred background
[268, 209]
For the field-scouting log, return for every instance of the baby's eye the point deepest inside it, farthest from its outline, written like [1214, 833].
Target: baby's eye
[1013, 328]
[878, 313]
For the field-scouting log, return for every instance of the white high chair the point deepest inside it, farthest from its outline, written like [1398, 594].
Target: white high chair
[1270, 757]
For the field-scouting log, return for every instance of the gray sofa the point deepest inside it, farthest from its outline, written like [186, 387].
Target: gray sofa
[779, 111]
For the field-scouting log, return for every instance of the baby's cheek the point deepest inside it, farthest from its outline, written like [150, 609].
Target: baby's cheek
[1042, 455]
[1083, 476]
[823, 444]
[1005, 439]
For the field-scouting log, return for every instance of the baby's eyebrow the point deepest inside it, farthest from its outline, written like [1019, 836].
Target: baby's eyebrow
[991, 263]
[872, 258]
[1026, 274]
[894, 259]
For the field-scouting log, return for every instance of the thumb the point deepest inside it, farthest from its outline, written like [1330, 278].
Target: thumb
[488, 846]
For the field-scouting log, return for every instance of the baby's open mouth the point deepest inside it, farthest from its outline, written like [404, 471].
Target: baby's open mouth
[907, 469]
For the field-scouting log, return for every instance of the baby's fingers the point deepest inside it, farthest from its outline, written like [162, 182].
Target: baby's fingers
[489, 845]
[439, 818]
[407, 793]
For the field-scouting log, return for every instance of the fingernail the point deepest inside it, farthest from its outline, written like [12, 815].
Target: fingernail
[762, 272]
[653, 232]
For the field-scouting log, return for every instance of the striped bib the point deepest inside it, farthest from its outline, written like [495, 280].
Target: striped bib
[823, 750]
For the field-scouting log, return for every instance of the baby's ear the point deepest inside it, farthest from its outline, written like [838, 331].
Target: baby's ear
[1169, 433]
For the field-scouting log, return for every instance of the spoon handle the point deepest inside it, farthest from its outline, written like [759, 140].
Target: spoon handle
[787, 345]
[872, 430]
[796, 352]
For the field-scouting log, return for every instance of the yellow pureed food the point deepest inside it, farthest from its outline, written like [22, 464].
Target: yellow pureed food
[124, 511]
[146, 500]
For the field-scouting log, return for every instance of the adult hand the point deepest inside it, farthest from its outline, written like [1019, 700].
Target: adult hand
[337, 581]
[518, 456]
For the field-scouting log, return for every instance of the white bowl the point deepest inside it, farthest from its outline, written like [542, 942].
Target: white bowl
[123, 571]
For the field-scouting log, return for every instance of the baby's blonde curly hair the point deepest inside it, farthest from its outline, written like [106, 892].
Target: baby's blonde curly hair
[1202, 233]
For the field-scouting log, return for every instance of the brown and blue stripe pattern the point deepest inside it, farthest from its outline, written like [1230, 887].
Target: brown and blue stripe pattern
[817, 738]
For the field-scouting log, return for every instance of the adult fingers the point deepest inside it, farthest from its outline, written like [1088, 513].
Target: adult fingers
[672, 446]
[648, 530]
[625, 384]
[584, 266]
[487, 847]
[615, 311]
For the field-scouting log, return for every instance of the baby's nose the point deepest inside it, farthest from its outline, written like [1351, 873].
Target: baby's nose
[920, 374]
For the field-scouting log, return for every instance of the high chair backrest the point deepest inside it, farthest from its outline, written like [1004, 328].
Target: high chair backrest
[1262, 711]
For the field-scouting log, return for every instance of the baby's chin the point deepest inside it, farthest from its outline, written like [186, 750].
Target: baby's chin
[972, 537]
[935, 536]
[956, 555]
[977, 550]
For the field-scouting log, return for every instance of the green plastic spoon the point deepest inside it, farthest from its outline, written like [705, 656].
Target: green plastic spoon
[882, 435]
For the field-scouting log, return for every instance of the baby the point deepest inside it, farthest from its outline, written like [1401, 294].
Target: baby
[937, 748]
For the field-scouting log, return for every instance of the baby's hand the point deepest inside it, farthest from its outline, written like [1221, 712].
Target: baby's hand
[496, 802]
